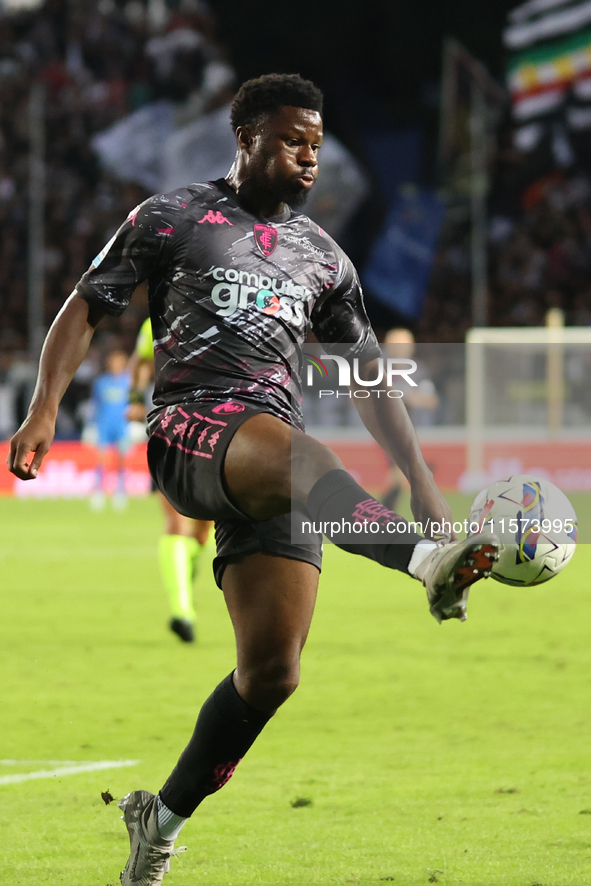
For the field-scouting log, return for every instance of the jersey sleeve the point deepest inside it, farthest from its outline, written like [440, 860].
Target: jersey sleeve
[339, 316]
[135, 252]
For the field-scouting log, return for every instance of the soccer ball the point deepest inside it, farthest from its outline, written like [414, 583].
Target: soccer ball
[536, 525]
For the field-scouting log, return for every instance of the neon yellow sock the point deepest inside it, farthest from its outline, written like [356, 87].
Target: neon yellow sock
[175, 554]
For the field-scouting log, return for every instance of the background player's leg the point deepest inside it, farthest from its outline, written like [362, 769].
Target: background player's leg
[397, 482]
[200, 530]
[178, 557]
[120, 496]
[98, 497]
[270, 601]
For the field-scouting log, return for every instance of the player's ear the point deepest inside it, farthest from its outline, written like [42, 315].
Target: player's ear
[245, 138]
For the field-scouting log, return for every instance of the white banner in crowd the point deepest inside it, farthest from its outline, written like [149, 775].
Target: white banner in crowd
[146, 148]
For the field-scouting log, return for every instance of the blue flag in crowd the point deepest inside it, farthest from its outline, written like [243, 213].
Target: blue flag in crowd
[398, 269]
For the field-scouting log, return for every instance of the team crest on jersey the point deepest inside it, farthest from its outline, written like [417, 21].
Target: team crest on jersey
[266, 239]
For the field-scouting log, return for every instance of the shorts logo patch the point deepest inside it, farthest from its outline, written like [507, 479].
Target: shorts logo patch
[228, 408]
[266, 239]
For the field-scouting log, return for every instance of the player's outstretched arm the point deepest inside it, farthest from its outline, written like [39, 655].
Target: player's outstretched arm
[64, 349]
[388, 422]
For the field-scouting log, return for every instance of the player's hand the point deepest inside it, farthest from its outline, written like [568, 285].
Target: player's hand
[429, 506]
[34, 436]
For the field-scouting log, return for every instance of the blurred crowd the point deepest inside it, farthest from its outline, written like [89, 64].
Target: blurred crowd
[99, 62]
[539, 250]
[137, 94]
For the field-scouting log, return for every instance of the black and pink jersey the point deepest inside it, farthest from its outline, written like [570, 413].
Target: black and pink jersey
[232, 296]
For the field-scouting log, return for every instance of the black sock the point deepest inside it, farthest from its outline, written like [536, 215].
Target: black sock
[338, 506]
[226, 728]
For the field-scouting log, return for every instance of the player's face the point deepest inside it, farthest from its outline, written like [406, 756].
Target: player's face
[284, 154]
[116, 362]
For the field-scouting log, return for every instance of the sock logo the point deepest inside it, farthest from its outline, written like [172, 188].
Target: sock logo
[223, 773]
[374, 511]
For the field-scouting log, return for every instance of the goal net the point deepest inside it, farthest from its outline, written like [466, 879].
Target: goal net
[527, 391]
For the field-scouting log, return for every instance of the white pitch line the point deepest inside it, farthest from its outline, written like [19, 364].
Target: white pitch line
[65, 770]
[44, 762]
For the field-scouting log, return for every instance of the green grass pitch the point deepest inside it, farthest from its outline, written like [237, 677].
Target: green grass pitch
[419, 753]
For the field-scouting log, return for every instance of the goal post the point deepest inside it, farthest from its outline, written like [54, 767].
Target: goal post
[525, 384]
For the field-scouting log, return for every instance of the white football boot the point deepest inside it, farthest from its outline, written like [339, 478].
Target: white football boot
[149, 857]
[450, 570]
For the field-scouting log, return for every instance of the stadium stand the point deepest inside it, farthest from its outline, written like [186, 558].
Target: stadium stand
[101, 62]
[539, 253]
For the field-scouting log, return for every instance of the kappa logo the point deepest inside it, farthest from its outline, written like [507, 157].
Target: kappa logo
[133, 214]
[266, 239]
[215, 218]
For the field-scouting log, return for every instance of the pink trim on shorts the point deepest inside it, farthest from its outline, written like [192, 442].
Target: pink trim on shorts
[212, 421]
[183, 448]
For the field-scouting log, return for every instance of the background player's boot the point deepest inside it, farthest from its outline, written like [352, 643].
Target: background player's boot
[119, 501]
[183, 628]
[97, 501]
[149, 856]
[451, 569]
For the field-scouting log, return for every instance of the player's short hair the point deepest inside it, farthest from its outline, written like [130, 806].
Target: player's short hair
[268, 94]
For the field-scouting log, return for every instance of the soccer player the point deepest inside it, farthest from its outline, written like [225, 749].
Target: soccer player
[236, 277]
[181, 546]
[109, 397]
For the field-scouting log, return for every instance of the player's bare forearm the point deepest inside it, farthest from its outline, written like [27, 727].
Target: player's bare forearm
[389, 423]
[64, 349]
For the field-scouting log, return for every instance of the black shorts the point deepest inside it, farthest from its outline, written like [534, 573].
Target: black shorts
[186, 451]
